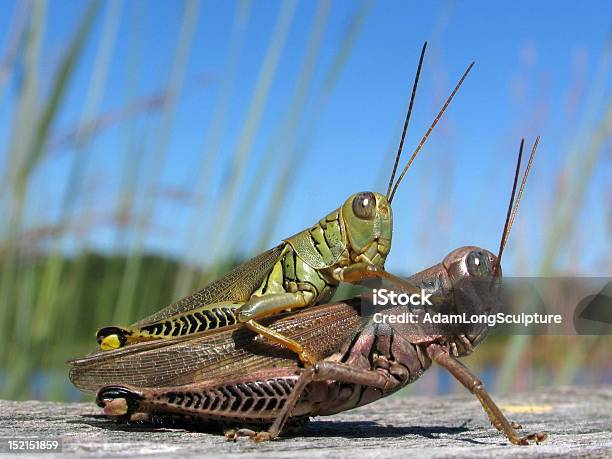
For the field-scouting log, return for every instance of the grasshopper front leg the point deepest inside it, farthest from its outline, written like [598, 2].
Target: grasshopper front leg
[475, 386]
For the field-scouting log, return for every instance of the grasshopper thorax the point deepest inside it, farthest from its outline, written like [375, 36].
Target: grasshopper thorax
[368, 221]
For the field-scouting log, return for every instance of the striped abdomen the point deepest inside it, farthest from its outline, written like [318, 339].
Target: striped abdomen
[256, 401]
[208, 318]
[253, 401]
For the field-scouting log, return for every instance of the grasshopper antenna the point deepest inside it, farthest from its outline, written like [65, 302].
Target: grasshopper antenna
[424, 139]
[520, 193]
[401, 145]
[513, 206]
[503, 240]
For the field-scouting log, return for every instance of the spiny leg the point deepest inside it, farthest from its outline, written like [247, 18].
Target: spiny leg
[475, 386]
[321, 371]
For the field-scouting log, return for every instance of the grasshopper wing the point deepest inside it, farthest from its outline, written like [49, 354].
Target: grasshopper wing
[237, 285]
[220, 354]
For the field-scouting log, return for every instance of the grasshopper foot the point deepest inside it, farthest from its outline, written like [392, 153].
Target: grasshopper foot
[516, 425]
[231, 435]
[257, 437]
[536, 438]
[306, 358]
[262, 436]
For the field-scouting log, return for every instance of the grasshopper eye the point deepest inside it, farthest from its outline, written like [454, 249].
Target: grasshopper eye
[364, 205]
[478, 264]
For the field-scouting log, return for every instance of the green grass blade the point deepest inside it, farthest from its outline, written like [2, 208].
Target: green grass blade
[124, 310]
[187, 276]
[249, 128]
[58, 92]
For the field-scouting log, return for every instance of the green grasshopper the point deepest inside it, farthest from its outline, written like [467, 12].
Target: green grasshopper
[350, 245]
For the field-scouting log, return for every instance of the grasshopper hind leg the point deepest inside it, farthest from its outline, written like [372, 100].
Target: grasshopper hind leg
[275, 303]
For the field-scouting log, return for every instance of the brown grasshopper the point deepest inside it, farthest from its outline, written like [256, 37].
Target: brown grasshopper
[255, 388]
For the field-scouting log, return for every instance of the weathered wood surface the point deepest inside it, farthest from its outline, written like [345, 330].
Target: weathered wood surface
[578, 420]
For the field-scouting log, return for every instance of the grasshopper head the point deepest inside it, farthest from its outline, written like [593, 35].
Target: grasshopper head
[472, 263]
[368, 221]
[475, 277]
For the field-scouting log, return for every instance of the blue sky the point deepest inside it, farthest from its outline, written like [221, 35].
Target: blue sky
[536, 70]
